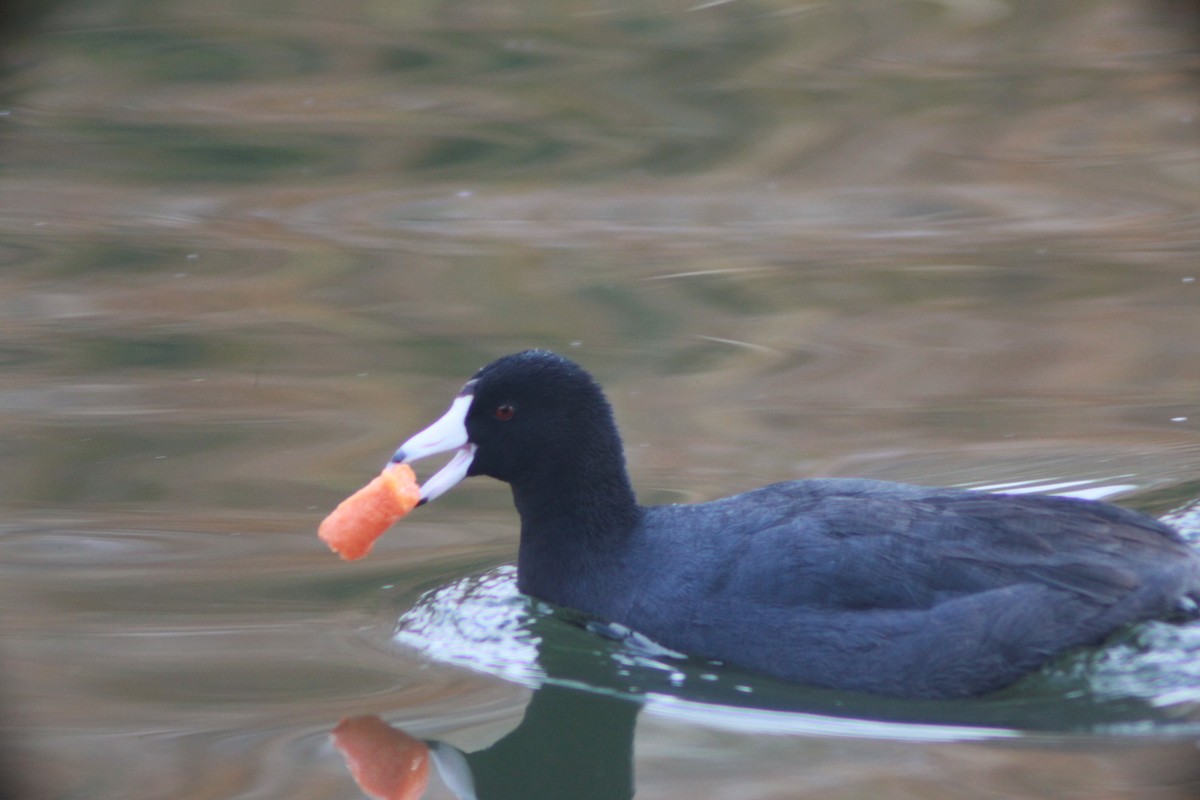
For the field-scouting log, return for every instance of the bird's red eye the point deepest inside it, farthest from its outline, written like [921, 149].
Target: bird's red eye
[505, 412]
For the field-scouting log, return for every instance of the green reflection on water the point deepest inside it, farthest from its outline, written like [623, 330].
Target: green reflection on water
[164, 55]
[402, 59]
[165, 153]
[164, 350]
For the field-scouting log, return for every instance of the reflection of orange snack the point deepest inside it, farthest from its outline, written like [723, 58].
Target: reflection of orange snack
[361, 518]
[386, 763]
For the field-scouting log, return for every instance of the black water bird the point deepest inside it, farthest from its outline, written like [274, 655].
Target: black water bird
[843, 583]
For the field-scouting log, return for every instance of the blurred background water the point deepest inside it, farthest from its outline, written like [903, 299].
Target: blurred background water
[246, 250]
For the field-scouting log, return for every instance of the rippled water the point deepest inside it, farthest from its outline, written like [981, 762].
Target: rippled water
[245, 252]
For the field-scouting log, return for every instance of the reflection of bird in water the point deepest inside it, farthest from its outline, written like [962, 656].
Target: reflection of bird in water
[844, 583]
[570, 743]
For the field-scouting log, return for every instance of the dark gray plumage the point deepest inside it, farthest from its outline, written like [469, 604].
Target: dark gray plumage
[843, 583]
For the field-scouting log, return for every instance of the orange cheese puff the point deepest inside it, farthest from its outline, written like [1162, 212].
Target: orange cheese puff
[386, 763]
[361, 518]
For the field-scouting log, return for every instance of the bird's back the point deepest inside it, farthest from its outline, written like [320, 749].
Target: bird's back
[900, 589]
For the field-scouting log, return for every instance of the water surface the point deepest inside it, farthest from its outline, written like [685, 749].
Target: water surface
[244, 253]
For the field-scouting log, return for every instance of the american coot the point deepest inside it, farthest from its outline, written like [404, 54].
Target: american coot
[843, 583]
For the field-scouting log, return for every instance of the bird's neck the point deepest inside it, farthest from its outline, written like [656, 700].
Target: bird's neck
[591, 507]
[573, 524]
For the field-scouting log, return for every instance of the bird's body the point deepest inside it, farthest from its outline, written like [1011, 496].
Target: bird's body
[844, 583]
